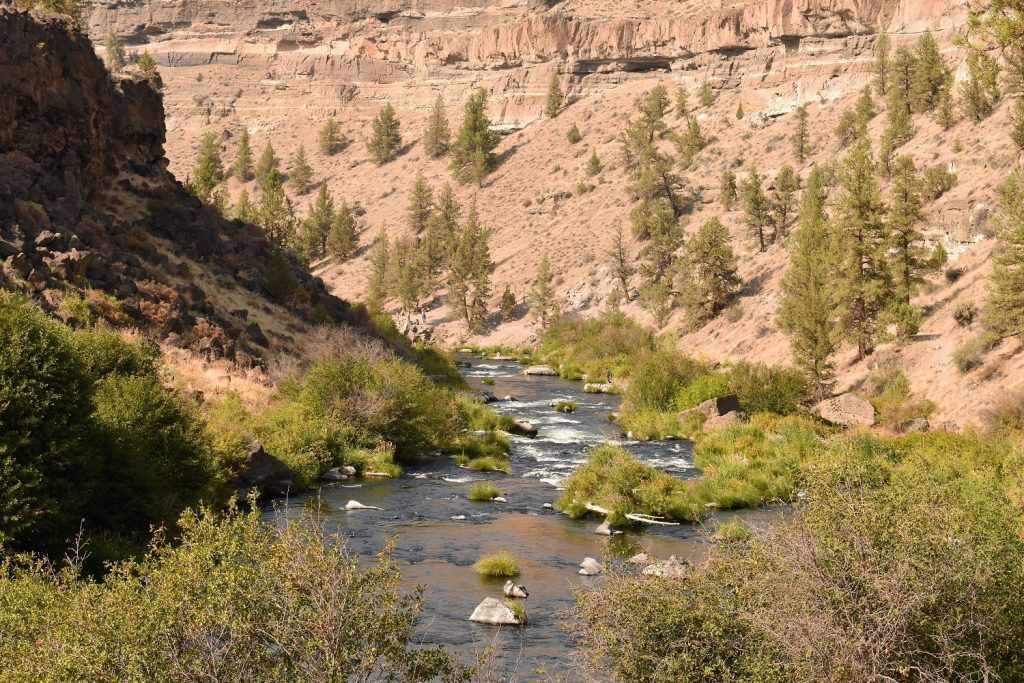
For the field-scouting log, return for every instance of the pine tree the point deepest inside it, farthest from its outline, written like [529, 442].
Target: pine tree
[377, 287]
[209, 169]
[267, 163]
[882, 63]
[854, 122]
[621, 263]
[909, 258]
[242, 166]
[1017, 123]
[756, 207]
[930, 74]
[682, 102]
[443, 227]
[594, 165]
[342, 240]
[784, 200]
[980, 92]
[219, 200]
[437, 137]
[710, 271]
[945, 108]
[469, 284]
[690, 143]
[706, 95]
[147, 65]
[901, 82]
[553, 105]
[863, 287]
[543, 305]
[421, 206]
[407, 278]
[1004, 307]
[386, 138]
[801, 136]
[301, 175]
[473, 151]
[508, 304]
[278, 278]
[331, 140]
[275, 212]
[318, 223]
[739, 112]
[244, 209]
[727, 195]
[807, 310]
[573, 135]
[114, 51]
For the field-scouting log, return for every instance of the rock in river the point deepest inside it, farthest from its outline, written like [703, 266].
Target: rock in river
[494, 611]
[514, 590]
[540, 371]
[523, 428]
[356, 505]
[590, 567]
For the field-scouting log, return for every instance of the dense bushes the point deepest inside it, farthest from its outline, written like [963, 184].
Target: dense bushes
[237, 599]
[588, 347]
[901, 563]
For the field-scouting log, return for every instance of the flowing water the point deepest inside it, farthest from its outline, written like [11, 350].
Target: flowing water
[437, 552]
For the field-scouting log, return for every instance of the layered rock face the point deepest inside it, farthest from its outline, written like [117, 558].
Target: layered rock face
[342, 53]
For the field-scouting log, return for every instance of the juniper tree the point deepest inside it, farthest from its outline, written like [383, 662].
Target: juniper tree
[621, 263]
[300, 176]
[244, 209]
[573, 135]
[881, 65]
[783, 200]
[331, 140]
[756, 207]
[267, 162]
[898, 111]
[386, 137]
[689, 143]
[908, 256]
[443, 226]
[945, 108]
[146, 64]
[377, 293]
[543, 305]
[114, 51]
[801, 136]
[594, 165]
[318, 223]
[241, 168]
[406, 278]
[508, 304]
[682, 102]
[739, 112]
[437, 137]
[980, 92]
[342, 239]
[275, 212]
[706, 95]
[862, 277]
[854, 122]
[807, 310]
[469, 283]
[1004, 307]
[421, 206]
[473, 150]
[209, 169]
[727, 193]
[930, 74]
[553, 105]
[1017, 123]
[710, 278]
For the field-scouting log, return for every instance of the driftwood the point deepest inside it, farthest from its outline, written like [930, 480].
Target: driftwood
[636, 517]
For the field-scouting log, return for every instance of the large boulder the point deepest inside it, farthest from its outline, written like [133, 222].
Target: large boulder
[847, 410]
[717, 407]
[734, 417]
[495, 612]
[540, 371]
[917, 425]
[263, 472]
[523, 428]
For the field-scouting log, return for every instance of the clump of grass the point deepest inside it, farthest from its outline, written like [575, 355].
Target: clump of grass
[491, 445]
[732, 531]
[650, 425]
[889, 392]
[489, 381]
[483, 491]
[481, 418]
[499, 565]
[518, 610]
[565, 406]
[379, 461]
[485, 464]
[972, 354]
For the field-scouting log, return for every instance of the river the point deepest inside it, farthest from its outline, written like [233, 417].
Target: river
[437, 552]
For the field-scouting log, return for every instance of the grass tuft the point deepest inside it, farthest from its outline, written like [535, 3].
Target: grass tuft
[499, 565]
[483, 491]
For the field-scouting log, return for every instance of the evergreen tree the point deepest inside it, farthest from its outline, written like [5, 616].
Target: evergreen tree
[421, 206]
[621, 264]
[508, 304]
[437, 137]
[278, 278]
[801, 136]
[854, 122]
[690, 143]
[469, 284]
[727, 195]
[244, 209]
[473, 151]
[756, 207]
[386, 138]
[1004, 307]
[784, 200]
[318, 223]
[1017, 123]
[594, 165]
[739, 112]
[553, 105]
[209, 169]
[219, 201]
[242, 166]
[706, 95]
[114, 51]
[443, 227]
[147, 65]
[930, 74]
[407, 278]
[881, 65]
[331, 140]
[980, 92]
[275, 212]
[710, 273]
[342, 239]
[267, 163]
[377, 287]
[573, 135]
[807, 310]
[945, 108]
[543, 305]
[682, 102]
[300, 175]
[862, 276]
[901, 82]
[909, 257]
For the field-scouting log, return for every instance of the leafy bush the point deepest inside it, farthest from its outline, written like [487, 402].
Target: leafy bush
[702, 388]
[588, 347]
[377, 461]
[953, 274]
[502, 565]
[889, 392]
[965, 313]
[658, 377]
[971, 354]
[483, 491]
[104, 352]
[300, 439]
[769, 389]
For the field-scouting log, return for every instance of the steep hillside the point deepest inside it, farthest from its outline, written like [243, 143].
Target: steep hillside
[279, 72]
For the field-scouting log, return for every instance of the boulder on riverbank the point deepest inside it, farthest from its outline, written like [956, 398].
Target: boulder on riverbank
[596, 388]
[523, 428]
[734, 417]
[540, 371]
[495, 612]
[590, 567]
[265, 473]
[488, 396]
[672, 568]
[514, 590]
[847, 410]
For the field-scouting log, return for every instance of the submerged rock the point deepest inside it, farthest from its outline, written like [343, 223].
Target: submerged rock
[523, 428]
[458, 518]
[356, 505]
[605, 529]
[333, 475]
[514, 590]
[495, 612]
[499, 499]
[590, 567]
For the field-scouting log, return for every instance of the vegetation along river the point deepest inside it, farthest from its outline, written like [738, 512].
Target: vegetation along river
[437, 552]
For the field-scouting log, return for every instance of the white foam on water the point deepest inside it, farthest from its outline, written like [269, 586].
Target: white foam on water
[460, 480]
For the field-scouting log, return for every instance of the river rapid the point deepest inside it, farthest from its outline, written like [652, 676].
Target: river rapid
[437, 552]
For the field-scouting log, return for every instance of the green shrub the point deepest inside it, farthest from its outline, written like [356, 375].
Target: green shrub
[480, 417]
[300, 439]
[565, 406]
[498, 565]
[769, 389]
[889, 392]
[657, 379]
[483, 491]
[732, 531]
[377, 461]
[971, 354]
[588, 347]
[103, 352]
[486, 464]
[965, 313]
[702, 388]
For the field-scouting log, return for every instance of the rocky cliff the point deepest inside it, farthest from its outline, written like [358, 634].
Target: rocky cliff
[93, 224]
